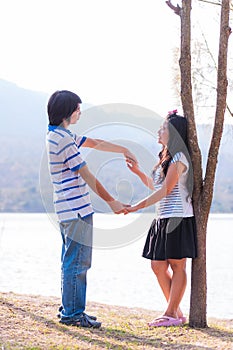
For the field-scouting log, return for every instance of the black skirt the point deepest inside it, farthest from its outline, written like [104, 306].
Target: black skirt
[171, 238]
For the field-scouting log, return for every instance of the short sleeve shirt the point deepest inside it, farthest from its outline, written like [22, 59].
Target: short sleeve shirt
[71, 193]
[178, 202]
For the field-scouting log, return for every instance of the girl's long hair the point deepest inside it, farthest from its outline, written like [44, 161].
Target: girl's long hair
[178, 142]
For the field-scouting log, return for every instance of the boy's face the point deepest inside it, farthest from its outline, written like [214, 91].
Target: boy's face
[75, 115]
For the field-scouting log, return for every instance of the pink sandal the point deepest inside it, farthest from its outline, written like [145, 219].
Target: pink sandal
[165, 321]
[183, 319]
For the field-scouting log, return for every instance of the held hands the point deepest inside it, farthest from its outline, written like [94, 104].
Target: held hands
[117, 207]
[132, 165]
[129, 156]
[120, 208]
[130, 209]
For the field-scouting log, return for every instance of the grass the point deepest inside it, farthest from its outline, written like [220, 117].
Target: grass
[29, 322]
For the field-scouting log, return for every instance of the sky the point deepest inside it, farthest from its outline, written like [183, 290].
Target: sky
[106, 51]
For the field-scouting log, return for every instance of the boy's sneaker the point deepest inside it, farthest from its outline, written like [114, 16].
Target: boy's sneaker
[81, 321]
[94, 318]
[89, 316]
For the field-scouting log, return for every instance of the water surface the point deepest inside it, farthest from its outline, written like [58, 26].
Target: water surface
[30, 263]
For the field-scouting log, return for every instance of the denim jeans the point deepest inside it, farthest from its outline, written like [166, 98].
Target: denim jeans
[75, 261]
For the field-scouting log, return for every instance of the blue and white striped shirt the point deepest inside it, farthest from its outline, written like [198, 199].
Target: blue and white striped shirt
[178, 203]
[71, 193]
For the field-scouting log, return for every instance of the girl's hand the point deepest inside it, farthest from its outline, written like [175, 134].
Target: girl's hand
[131, 209]
[132, 165]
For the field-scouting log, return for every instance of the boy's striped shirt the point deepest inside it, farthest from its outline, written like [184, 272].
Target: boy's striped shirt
[71, 193]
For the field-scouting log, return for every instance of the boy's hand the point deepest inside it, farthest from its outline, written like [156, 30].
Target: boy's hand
[117, 207]
[130, 156]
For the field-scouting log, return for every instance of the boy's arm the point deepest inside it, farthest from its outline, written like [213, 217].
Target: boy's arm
[106, 146]
[97, 187]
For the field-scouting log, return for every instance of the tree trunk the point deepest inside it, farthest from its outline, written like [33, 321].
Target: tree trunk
[198, 300]
[203, 189]
[198, 282]
[202, 204]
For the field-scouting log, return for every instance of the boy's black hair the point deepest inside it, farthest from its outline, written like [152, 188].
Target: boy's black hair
[61, 105]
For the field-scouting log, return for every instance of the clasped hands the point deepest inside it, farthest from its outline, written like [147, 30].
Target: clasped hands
[120, 208]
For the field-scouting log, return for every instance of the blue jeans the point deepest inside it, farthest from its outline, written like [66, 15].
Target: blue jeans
[75, 261]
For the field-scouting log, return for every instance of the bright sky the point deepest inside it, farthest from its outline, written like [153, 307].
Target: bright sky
[106, 51]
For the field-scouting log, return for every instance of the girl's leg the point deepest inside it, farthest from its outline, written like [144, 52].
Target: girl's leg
[178, 286]
[164, 277]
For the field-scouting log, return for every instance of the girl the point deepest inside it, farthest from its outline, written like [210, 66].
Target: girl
[172, 237]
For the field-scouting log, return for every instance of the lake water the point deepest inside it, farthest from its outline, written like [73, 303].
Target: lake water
[30, 263]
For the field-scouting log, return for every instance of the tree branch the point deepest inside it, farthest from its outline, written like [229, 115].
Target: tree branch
[229, 110]
[176, 8]
[187, 100]
[222, 82]
[211, 2]
[212, 57]
[216, 3]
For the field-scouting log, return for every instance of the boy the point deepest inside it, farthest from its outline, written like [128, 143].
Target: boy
[71, 177]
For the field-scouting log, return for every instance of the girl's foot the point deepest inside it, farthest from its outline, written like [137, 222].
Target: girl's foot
[183, 319]
[165, 321]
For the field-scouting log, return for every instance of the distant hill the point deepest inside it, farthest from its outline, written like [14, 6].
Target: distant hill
[22, 111]
[23, 163]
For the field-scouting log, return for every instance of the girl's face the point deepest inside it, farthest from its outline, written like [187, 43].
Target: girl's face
[163, 134]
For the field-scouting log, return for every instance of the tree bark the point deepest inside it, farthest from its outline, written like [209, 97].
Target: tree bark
[197, 315]
[186, 96]
[198, 299]
[202, 189]
[202, 204]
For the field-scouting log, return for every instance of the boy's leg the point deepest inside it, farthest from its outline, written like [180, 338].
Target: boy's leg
[76, 260]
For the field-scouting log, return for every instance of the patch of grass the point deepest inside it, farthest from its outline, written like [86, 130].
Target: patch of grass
[29, 322]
